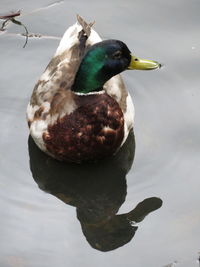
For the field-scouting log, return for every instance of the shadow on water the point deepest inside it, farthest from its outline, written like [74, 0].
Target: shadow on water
[97, 191]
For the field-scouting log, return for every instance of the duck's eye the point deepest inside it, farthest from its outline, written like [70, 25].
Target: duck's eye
[117, 55]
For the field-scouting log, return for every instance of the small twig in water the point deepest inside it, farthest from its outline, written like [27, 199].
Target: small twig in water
[11, 17]
[21, 24]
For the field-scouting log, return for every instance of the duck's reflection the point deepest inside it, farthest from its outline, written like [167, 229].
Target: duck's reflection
[97, 191]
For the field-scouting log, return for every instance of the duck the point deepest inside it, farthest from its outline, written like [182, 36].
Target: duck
[80, 109]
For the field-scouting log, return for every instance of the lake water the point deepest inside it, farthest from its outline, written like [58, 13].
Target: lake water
[55, 214]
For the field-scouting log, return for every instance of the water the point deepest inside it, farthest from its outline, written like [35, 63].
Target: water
[51, 222]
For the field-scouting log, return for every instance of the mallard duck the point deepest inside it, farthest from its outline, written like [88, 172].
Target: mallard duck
[79, 109]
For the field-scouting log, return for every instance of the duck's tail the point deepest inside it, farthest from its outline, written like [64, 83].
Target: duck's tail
[86, 26]
[81, 30]
[84, 34]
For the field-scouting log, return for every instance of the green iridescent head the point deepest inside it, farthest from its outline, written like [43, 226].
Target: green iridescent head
[103, 61]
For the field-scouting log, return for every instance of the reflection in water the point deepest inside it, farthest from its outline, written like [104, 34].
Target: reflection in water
[97, 191]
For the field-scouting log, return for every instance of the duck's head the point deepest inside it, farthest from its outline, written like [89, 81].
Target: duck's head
[104, 60]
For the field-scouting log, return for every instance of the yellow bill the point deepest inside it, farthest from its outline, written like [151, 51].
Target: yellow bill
[143, 64]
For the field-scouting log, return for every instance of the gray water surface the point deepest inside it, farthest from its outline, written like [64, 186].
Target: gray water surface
[45, 223]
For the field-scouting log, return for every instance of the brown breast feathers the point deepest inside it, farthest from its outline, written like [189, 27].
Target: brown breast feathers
[94, 130]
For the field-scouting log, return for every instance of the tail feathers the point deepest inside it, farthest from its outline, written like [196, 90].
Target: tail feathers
[86, 26]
